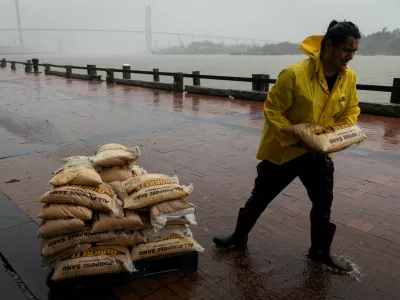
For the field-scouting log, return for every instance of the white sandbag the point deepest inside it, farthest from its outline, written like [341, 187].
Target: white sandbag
[167, 233]
[115, 155]
[77, 170]
[162, 213]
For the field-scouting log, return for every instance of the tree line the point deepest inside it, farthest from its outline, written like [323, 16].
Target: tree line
[384, 42]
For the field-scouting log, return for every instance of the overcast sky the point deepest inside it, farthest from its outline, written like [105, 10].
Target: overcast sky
[280, 20]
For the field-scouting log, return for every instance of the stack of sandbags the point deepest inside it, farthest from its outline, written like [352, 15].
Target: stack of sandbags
[104, 207]
[162, 198]
[81, 210]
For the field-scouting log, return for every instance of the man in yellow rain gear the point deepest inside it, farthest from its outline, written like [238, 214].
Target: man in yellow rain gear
[319, 90]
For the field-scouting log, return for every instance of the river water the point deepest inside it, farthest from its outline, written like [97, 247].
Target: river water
[379, 70]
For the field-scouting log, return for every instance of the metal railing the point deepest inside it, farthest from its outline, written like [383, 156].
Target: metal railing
[260, 82]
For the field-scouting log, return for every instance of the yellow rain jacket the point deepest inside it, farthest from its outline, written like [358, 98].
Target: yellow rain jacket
[301, 95]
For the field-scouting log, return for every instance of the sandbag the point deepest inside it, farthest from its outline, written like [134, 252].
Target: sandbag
[135, 184]
[167, 233]
[115, 155]
[63, 211]
[138, 171]
[101, 198]
[116, 173]
[167, 211]
[57, 244]
[131, 238]
[150, 189]
[110, 222]
[48, 261]
[327, 139]
[50, 228]
[166, 247]
[77, 170]
[94, 261]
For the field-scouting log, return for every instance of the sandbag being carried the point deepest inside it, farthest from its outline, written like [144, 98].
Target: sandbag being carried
[131, 238]
[162, 213]
[94, 261]
[166, 247]
[77, 170]
[167, 233]
[110, 222]
[115, 155]
[101, 198]
[51, 228]
[329, 138]
[63, 211]
[57, 244]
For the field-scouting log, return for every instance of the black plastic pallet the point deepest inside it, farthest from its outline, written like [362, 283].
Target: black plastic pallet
[152, 266]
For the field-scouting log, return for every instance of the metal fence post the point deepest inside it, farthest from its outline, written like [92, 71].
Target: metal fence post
[35, 62]
[196, 78]
[91, 71]
[13, 66]
[3, 63]
[46, 69]
[126, 75]
[68, 71]
[156, 75]
[395, 96]
[178, 83]
[28, 66]
[110, 76]
[260, 83]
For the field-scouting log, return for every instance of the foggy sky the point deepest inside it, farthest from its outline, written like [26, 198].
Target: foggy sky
[286, 20]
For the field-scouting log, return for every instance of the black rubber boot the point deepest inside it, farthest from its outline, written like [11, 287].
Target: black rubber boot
[244, 224]
[322, 234]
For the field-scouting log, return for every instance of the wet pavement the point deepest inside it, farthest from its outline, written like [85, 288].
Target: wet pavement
[211, 142]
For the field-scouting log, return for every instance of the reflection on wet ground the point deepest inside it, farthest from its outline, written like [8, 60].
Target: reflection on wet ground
[211, 142]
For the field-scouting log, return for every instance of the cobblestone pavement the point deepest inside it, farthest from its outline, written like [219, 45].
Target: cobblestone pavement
[212, 142]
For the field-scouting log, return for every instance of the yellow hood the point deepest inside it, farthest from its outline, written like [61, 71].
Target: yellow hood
[311, 46]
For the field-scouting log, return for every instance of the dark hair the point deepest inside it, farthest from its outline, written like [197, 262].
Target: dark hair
[338, 31]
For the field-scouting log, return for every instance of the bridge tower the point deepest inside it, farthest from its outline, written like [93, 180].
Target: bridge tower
[149, 36]
[21, 39]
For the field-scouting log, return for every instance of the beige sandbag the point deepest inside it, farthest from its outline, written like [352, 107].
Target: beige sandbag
[57, 244]
[94, 261]
[166, 247]
[135, 184]
[110, 222]
[116, 173]
[76, 170]
[165, 212]
[153, 195]
[167, 233]
[63, 211]
[327, 139]
[101, 198]
[115, 155]
[50, 228]
[138, 171]
[131, 238]
[48, 261]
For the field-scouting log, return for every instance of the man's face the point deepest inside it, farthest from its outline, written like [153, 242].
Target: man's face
[343, 54]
